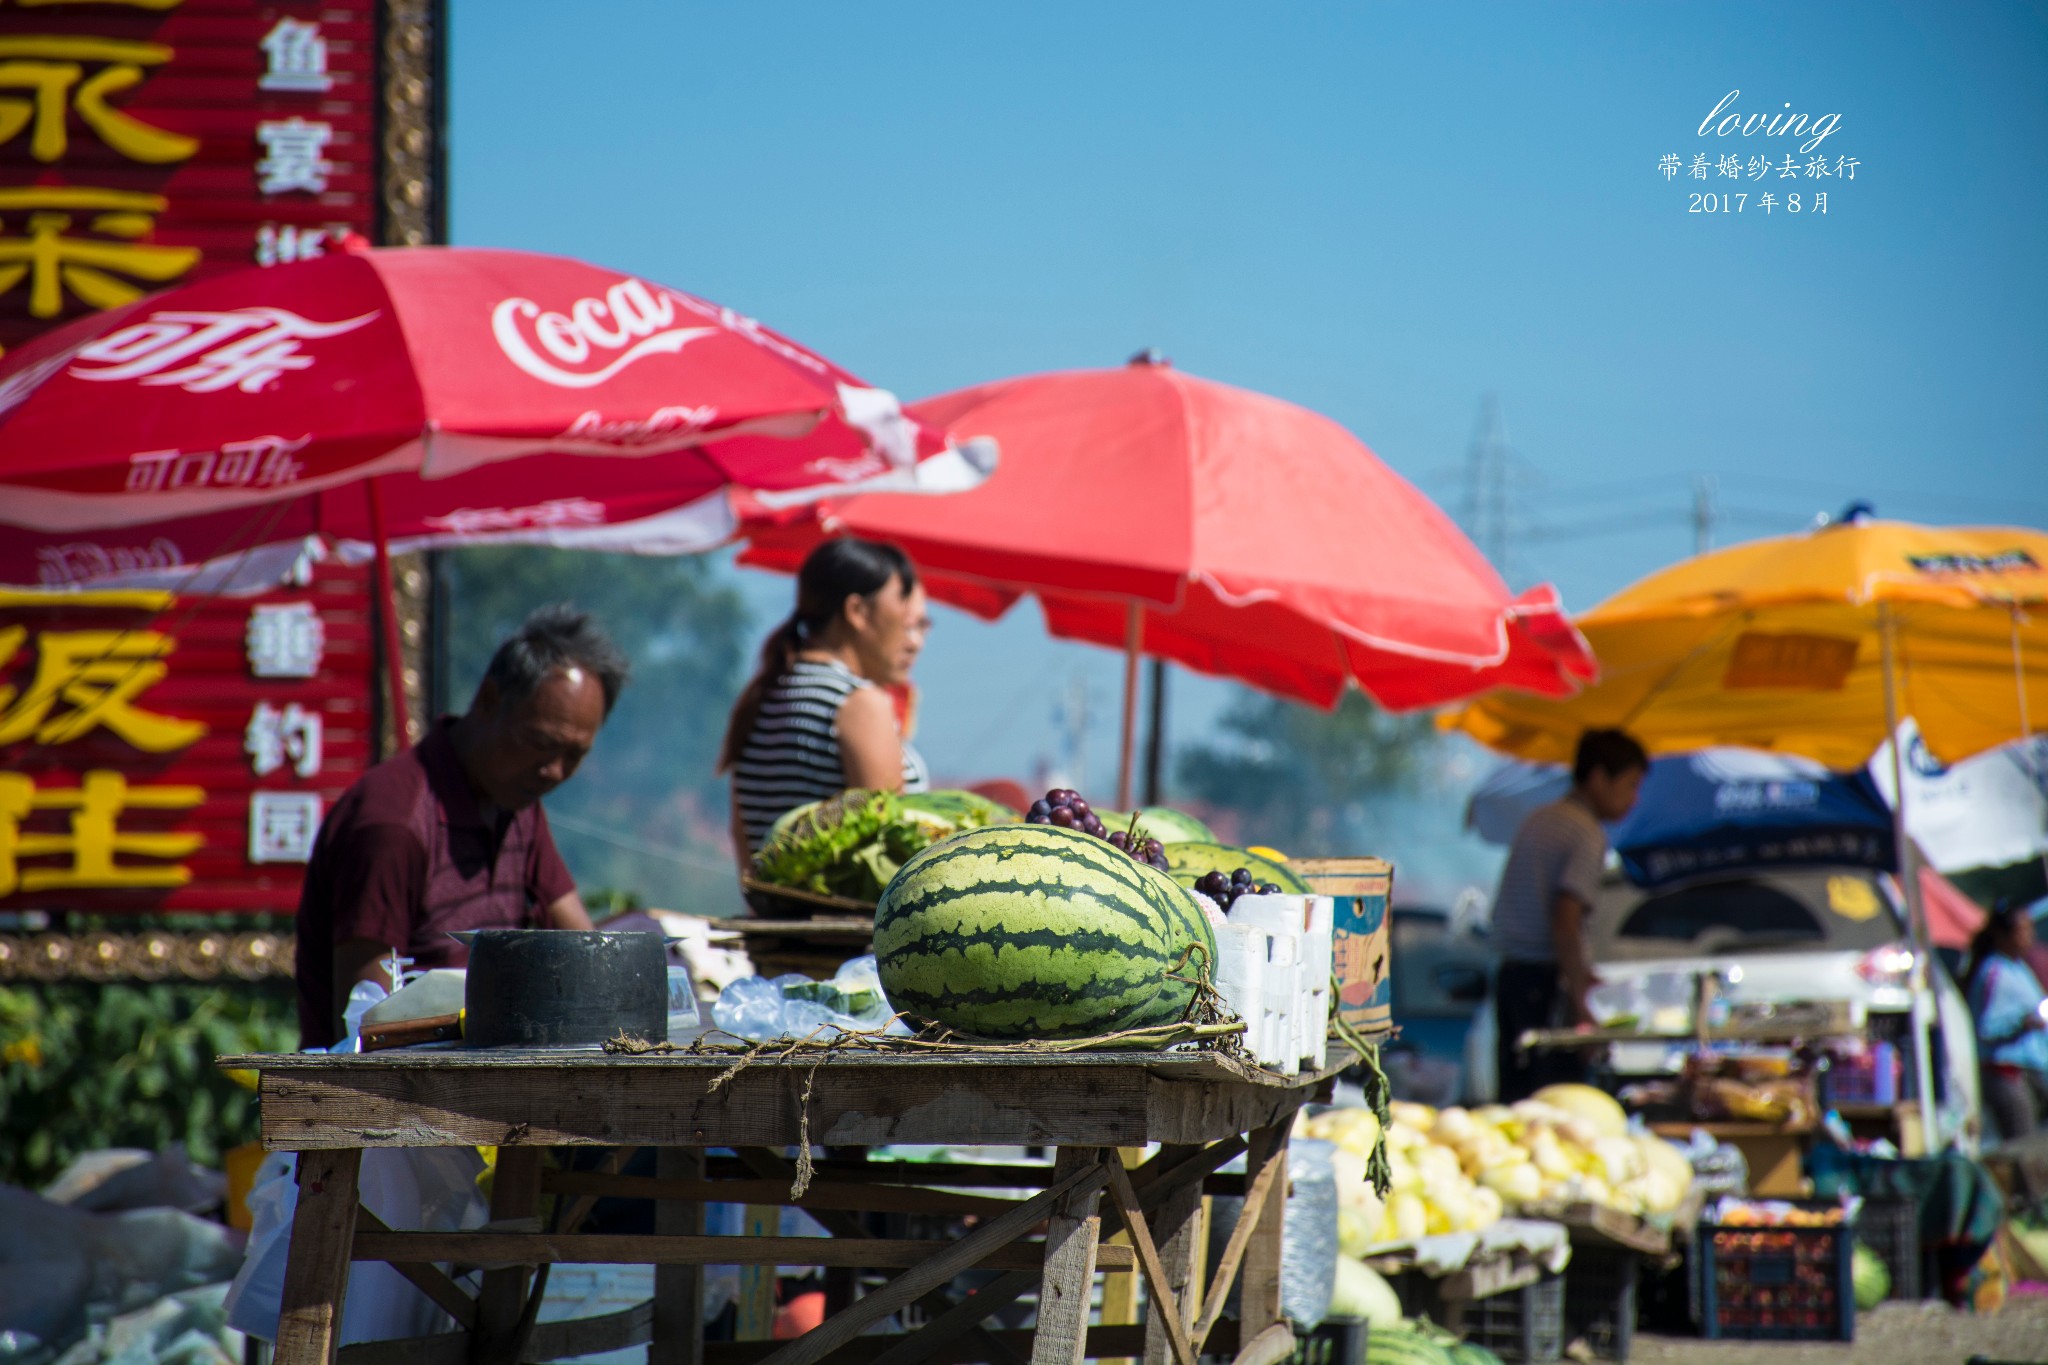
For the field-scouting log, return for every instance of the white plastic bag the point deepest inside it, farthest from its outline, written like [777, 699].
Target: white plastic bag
[795, 1006]
[413, 1189]
[425, 1189]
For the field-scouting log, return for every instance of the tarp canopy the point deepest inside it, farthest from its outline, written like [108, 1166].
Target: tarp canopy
[1715, 809]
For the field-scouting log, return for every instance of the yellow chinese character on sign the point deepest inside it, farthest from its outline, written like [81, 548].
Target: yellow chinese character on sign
[94, 841]
[50, 69]
[54, 261]
[98, 674]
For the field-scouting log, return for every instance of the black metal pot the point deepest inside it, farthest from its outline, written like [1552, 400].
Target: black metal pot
[564, 987]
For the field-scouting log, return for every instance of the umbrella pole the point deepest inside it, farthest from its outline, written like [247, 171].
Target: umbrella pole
[2019, 684]
[387, 615]
[1153, 792]
[1134, 632]
[1909, 882]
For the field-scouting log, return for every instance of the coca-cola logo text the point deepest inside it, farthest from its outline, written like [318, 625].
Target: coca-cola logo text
[559, 512]
[663, 424]
[595, 339]
[82, 561]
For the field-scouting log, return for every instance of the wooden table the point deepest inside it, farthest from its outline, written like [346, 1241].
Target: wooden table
[1788, 1024]
[1204, 1109]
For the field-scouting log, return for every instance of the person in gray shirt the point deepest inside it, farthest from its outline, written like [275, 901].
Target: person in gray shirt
[1539, 913]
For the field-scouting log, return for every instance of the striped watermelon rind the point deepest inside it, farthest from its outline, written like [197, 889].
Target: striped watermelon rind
[964, 809]
[1399, 1346]
[1030, 931]
[1190, 930]
[1188, 862]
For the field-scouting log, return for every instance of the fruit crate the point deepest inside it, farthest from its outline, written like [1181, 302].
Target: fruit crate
[1522, 1324]
[1336, 1341]
[1525, 1324]
[1600, 1299]
[1890, 1226]
[1777, 1283]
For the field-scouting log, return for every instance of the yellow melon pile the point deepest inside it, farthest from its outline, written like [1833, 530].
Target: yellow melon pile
[1457, 1170]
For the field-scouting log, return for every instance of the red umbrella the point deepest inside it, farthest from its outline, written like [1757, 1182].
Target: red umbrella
[1224, 530]
[202, 438]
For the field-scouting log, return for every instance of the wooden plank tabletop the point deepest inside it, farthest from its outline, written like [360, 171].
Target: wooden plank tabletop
[455, 1057]
[457, 1096]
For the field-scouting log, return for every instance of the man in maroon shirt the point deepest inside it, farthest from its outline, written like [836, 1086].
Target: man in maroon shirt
[450, 834]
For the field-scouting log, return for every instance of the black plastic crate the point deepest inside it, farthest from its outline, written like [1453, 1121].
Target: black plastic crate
[1777, 1283]
[1523, 1324]
[1335, 1342]
[1600, 1299]
[1890, 1226]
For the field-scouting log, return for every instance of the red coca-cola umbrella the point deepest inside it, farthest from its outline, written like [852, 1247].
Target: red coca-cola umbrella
[204, 438]
[1224, 530]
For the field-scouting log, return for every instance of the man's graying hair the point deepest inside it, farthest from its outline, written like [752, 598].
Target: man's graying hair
[554, 638]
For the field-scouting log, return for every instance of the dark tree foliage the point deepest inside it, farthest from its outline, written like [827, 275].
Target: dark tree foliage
[84, 1067]
[644, 818]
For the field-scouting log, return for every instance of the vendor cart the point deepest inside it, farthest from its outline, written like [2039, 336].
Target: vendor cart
[1204, 1108]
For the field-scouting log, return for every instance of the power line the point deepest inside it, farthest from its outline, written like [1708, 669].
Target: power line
[1841, 490]
[632, 845]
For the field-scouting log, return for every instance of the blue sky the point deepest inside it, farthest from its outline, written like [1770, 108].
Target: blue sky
[1381, 212]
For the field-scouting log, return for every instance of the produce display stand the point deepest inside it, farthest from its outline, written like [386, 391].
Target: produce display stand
[1791, 1024]
[1204, 1109]
[1480, 1278]
[814, 947]
[817, 900]
[1599, 1226]
[1772, 1150]
[1609, 1250]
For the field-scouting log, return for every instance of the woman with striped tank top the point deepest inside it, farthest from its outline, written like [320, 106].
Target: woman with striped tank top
[818, 717]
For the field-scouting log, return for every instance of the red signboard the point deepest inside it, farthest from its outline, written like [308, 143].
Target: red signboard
[145, 143]
[159, 753]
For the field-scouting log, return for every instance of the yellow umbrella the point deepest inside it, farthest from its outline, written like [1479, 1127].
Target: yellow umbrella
[1815, 644]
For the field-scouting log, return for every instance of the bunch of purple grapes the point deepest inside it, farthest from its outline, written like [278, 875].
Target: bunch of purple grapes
[1067, 808]
[1225, 890]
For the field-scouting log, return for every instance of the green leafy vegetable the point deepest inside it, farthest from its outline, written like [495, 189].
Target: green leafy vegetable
[849, 846]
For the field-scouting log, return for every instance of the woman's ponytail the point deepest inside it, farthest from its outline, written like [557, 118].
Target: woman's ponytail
[831, 573]
[778, 652]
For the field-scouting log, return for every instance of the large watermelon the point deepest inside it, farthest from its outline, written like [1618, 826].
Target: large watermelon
[1187, 862]
[967, 810]
[1032, 931]
[1191, 928]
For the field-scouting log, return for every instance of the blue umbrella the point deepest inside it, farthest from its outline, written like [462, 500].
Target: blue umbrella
[1715, 809]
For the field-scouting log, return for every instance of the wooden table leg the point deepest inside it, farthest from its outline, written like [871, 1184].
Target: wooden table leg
[1175, 1227]
[678, 1331]
[1259, 1281]
[316, 1267]
[755, 1320]
[515, 1193]
[842, 1283]
[1068, 1281]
